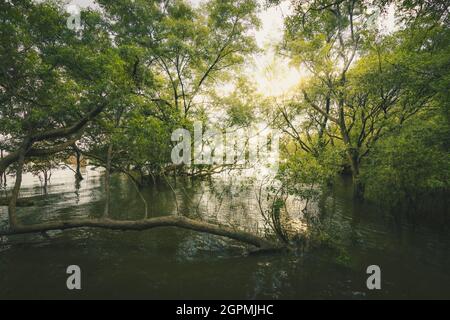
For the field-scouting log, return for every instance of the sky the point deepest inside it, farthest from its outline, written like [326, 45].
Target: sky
[272, 74]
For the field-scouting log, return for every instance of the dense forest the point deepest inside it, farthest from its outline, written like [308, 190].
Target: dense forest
[112, 85]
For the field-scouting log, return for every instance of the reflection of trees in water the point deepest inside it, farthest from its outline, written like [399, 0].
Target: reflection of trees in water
[195, 246]
[243, 203]
[230, 202]
[273, 278]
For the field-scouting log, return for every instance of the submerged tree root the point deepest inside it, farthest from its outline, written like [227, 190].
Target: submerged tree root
[262, 244]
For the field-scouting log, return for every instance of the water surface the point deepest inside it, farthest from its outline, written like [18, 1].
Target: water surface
[179, 264]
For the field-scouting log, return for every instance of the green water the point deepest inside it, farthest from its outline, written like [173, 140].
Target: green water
[180, 264]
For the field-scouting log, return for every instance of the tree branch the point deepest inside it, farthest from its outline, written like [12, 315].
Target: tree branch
[317, 108]
[140, 225]
[64, 132]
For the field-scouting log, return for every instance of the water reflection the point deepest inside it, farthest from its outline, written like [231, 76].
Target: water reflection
[172, 263]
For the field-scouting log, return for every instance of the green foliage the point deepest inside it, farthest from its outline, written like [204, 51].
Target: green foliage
[304, 174]
[50, 74]
[147, 62]
[367, 87]
[410, 163]
[240, 106]
[174, 53]
[186, 49]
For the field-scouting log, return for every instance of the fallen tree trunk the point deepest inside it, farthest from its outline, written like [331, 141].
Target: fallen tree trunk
[140, 225]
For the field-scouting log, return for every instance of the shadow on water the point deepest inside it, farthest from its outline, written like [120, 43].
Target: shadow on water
[177, 264]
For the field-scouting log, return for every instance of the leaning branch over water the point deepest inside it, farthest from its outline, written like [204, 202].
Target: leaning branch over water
[141, 225]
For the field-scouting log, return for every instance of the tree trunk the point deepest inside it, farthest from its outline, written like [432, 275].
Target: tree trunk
[358, 185]
[140, 225]
[1, 174]
[45, 182]
[323, 125]
[15, 194]
[358, 188]
[136, 186]
[108, 181]
[353, 158]
[78, 175]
